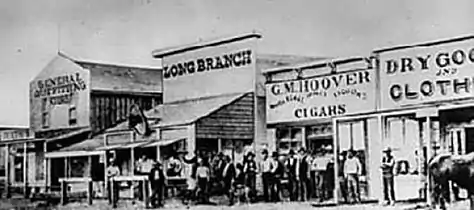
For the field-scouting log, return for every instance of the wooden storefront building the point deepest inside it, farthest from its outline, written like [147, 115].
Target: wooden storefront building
[72, 101]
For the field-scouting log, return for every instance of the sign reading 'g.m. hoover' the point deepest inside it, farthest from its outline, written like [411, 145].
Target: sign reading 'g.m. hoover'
[321, 97]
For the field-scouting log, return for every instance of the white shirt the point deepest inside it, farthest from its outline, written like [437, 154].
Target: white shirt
[352, 166]
[267, 165]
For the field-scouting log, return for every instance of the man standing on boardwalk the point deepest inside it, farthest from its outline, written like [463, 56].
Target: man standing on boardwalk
[388, 162]
[112, 172]
[290, 165]
[157, 182]
[352, 171]
[266, 166]
[303, 174]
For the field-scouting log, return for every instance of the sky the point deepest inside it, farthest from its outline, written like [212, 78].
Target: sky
[126, 31]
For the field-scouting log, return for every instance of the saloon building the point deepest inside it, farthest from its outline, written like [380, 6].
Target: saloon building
[213, 101]
[72, 101]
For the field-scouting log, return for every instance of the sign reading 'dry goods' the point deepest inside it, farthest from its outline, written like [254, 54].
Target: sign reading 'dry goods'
[59, 96]
[427, 74]
[321, 97]
[219, 69]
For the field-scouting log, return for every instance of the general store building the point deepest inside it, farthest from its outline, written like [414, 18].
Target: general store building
[73, 101]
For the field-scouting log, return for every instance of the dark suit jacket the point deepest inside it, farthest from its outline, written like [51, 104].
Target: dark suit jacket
[156, 182]
[227, 177]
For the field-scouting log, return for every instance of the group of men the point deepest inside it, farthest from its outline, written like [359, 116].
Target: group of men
[305, 175]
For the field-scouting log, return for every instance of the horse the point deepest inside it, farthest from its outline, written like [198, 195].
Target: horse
[458, 169]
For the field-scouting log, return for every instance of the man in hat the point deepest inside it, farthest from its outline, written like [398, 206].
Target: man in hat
[266, 167]
[250, 171]
[157, 181]
[303, 176]
[277, 176]
[112, 171]
[352, 172]
[228, 175]
[388, 162]
[290, 165]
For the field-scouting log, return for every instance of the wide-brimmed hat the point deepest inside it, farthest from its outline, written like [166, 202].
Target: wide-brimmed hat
[388, 150]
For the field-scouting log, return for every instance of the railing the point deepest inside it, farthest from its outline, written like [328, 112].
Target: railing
[65, 186]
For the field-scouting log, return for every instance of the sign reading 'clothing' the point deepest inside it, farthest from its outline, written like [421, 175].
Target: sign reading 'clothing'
[321, 97]
[427, 74]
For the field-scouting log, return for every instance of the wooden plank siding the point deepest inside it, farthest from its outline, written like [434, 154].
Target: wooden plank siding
[233, 121]
[109, 109]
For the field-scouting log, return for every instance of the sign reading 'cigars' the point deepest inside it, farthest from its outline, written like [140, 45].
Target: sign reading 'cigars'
[321, 97]
[220, 68]
[427, 74]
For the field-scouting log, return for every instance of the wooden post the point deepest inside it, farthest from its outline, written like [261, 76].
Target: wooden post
[335, 139]
[106, 178]
[89, 182]
[114, 193]
[8, 168]
[429, 154]
[146, 199]
[63, 192]
[25, 170]
[45, 167]
[382, 135]
[132, 166]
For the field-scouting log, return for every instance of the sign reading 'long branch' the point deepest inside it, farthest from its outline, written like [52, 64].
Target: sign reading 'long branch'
[231, 60]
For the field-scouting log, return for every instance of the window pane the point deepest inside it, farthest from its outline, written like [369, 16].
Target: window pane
[358, 136]
[344, 136]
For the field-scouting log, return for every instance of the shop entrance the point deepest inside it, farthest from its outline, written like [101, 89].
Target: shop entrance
[352, 136]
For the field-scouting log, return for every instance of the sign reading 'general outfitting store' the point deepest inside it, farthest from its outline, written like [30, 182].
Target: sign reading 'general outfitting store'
[321, 97]
[59, 90]
[226, 61]
[429, 74]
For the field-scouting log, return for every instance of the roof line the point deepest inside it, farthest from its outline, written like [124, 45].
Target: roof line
[83, 61]
[315, 64]
[221, 107]
[425, 44]
[160, 53]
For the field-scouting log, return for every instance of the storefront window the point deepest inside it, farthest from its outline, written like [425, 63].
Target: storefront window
[3, 159]
[78, 166]
[289, 138]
